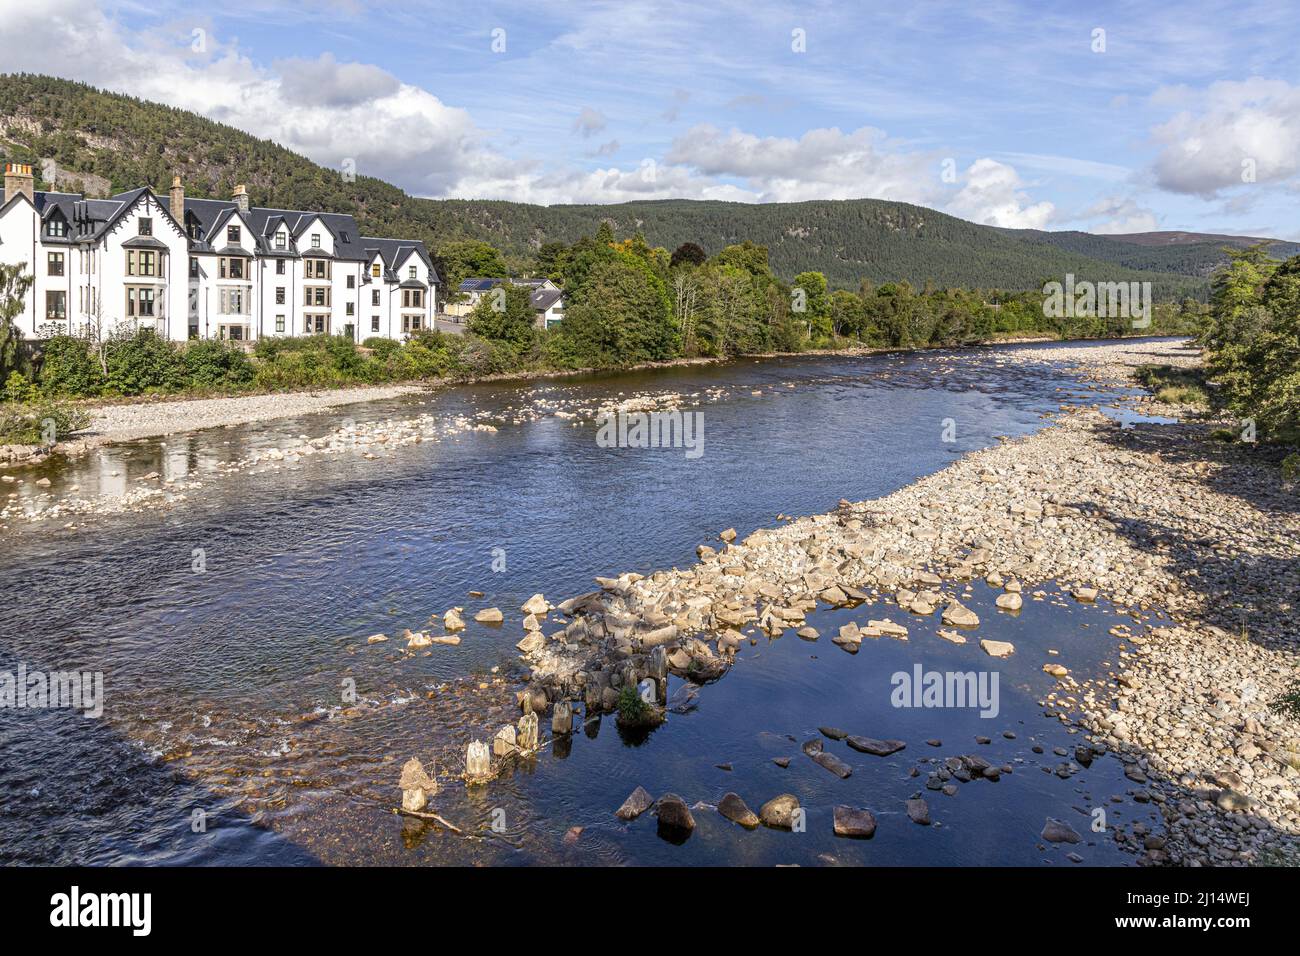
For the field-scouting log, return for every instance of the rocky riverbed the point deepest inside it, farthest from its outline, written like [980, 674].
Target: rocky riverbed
[1152, 516]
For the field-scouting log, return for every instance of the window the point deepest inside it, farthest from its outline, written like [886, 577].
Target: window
[374, 296]
[374, 323]
[412, 298]
[316, 324]
[54, 264]
[140, 302]
[279, 295]
[317, 295]
[234, 301]
[279, 267]
[410, 323]
[146, 226]
[230, 267]
[315, 240]
[350, 310]
[142, 262]
[316, 268]
[233, 234]
[411, 273]
[377, 270]
[352, 282]
[281, 240]
[58, 228]
[194, 268]
[279, 323]
[56, 306]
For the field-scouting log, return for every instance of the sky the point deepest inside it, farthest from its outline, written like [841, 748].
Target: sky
[1109, 117]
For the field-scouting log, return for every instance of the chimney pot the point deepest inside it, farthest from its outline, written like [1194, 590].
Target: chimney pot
[176, 197]
[19, 179]
[241, 197]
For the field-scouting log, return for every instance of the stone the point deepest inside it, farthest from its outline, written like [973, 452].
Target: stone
[418, 639]
[888, 628]
[489, 615]
[674, 814]
[562, 718]
[780, 812]
[951, 637]
[1232, 801]
[531, 644]
[414, 800]
[478, 761]
[781, 762]
[849, 633]
[728, 536]
[637, 803]
[918, 811]
[448, 640]
[1085, 595]
[807, 633]
[957, 614]
[734, 809]
[1057, 831]
[854, 823]
[877, 748]
[415, 777]
[376, 638]
[451, 621]
[998, 648]
[503, 744]
[832, 763]
[536, 606]
[833, 733]
[1009, 601]
[1056, 670]
[526, 738]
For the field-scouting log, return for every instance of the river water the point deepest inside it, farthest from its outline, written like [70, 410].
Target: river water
[231, 626]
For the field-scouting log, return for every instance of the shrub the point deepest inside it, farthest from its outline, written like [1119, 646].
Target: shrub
[19, 389]
[68, 368]
[631, 707]
[211, 363]
[144, 364]
[39, 422]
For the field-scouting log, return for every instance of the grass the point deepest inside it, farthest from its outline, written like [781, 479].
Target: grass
[1174, 386]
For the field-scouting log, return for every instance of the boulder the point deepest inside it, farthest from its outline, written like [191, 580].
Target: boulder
[637, 803]
[1057, 831]
[674, 814]
[536, 606]
[451, 621]
[957, 614]
[877, 748]
[1009, 601]
[833, 763]
[854, 823]
[918, 811]
[489, 615]
[734, 809]
[998, 648]
[779, 812]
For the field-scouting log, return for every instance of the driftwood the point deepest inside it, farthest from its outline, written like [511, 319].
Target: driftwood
[429, 816]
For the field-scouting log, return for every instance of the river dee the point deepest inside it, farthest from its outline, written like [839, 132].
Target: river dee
[230, 625]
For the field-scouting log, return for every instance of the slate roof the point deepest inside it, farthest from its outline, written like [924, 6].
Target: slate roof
[483, 285]
[89, 219]
[543, 299]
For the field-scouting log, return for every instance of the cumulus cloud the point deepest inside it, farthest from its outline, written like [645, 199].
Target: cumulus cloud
[324, 82]
[1119, 215]
[993, 194]
[1227, 134]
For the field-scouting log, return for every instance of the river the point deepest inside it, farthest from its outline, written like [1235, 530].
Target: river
[230, 626]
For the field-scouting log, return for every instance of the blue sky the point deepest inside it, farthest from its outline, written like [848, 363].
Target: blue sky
[1178, 116]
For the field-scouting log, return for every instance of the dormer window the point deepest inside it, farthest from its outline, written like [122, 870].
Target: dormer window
[376, 270]
[281, 241]
[146, 226]
[315, 240]
[233, 234]
[58, 228]
[411, 272]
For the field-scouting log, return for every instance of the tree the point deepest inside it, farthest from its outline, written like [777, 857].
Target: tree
[688, 254]
[505, 314]
[469, 258]
[812, 304]
[14, 286]
[620, 315]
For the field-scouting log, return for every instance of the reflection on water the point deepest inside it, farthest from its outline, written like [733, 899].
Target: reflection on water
[227, 679]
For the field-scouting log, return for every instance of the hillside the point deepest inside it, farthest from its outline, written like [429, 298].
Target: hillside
[117, 142]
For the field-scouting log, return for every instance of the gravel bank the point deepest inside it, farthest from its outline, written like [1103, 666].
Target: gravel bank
[114, 423]
[1156, 517]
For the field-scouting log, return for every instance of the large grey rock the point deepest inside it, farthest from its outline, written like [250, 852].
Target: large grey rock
[878, 748]
[734, 809]
[853, 822]
[779, 811]
[1057, 831]
[637, 803]
[674, 814]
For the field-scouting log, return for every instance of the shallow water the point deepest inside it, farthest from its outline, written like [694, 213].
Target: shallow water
[225, 687]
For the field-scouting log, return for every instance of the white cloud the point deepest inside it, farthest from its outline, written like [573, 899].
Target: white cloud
[993, 194]
[1119, 215]
[589, 122]
[1206, 147]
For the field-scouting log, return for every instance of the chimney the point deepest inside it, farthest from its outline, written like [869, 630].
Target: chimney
[177, 200]
[19, 179]
[241, 197]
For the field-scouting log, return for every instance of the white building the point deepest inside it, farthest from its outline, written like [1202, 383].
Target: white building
[205, 268]
[546, 297]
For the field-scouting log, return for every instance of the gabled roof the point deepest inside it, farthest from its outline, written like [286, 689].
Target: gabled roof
[479, 284]
[90, 219]
[395, 252]
[543, 299]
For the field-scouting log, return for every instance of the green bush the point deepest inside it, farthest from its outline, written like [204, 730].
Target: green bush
[38, 422]
[19, 389]
[144, 364]
[211, 363]
[68, 368]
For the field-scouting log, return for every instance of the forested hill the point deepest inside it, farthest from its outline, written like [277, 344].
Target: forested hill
[117, 142]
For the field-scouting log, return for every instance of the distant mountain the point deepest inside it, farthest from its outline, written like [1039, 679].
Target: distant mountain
[118, 142]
